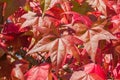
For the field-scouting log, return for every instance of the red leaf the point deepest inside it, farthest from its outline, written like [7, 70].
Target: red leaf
[93, 36]
[116, 71]
[99, 4]
[94, 68]
[31, 19]
[10, 28]
[79, 1]
[79, 18]
[16, 73]
[81, 75]
[91, 72]
[55, 12]
[39, 24]
[116, 23]
[64, 4]
[58, 48]
[40, 72]
[114, 5]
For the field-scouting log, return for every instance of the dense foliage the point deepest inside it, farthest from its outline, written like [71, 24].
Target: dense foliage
[59, 39]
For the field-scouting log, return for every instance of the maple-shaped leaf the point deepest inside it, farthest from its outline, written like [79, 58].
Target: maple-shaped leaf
[34, 19]
[57, 48]
[12, 6]
[48, 4]
[40, 72]
[99, 5]
[92, 36]
[54, 2]
[31, 19]
[38, 23]
[91, 72]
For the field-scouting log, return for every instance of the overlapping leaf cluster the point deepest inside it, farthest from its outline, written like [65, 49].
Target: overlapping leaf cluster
[60, 39]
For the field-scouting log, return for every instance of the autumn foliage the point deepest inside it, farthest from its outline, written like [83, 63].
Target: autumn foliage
[59, 39]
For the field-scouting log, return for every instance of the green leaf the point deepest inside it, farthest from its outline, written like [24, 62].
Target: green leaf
[27, 7]
[82, 9]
